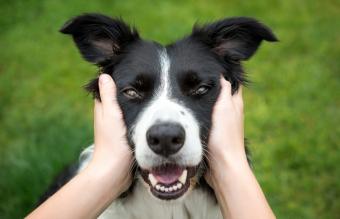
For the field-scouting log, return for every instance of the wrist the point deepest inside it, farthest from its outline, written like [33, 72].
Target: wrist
[113, 174]
[111, 157]
[112, 166]
[228, 154]
[227, 166]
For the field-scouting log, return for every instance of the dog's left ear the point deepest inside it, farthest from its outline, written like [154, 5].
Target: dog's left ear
[234, 38]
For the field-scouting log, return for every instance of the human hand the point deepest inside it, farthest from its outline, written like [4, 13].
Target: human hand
[226, 141]
[111, 150]
[108, 173]
[229, 174]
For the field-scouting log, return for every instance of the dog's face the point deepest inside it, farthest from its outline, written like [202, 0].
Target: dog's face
[167, 93]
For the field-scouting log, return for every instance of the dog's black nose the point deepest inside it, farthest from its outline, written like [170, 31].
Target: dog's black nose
[165, 138]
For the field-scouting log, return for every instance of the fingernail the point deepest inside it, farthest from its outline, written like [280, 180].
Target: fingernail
[104, 78]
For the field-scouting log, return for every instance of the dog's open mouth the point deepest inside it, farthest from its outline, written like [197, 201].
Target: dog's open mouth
[168, 181]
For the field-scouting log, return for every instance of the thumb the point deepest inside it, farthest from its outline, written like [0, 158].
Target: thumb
[238, 99]
[225, 94]
[107, 90]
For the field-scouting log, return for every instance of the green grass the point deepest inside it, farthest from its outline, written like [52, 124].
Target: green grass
[292, 107]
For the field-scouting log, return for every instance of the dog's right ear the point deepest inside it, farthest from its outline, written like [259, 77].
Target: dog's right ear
[98, 37]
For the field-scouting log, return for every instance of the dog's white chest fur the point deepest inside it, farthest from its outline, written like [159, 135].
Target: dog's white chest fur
[141, 205]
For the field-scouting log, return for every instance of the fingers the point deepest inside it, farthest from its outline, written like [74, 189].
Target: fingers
[226, 99]
[225, 87]
[225, 93]
[97, 107]
[238, 98]
[107, 90]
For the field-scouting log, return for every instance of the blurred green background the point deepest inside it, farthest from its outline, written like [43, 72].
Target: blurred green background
[292, 106]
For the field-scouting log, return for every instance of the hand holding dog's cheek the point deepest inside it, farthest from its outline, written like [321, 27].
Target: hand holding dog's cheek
[111, 147]
[226, 140]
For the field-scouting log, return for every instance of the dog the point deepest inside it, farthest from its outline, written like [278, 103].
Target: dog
[166, 94]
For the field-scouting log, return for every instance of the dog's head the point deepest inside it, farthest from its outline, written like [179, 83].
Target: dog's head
[167, 93]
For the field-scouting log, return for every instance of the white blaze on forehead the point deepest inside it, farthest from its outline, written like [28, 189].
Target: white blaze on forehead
[165, 79]
[164, 108]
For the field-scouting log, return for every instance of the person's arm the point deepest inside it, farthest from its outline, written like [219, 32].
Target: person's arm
[236, 188]
[107, 175]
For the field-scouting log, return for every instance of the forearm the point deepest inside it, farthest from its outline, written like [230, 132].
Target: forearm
[238, 192]
[85, 196]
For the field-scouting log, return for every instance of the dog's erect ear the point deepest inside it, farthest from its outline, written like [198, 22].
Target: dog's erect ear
[98, 37]
[235, 38]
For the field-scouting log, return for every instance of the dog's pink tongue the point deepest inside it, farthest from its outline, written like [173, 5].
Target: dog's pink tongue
[167, 174]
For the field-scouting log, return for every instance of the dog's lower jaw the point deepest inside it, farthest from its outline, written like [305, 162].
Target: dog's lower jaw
[168, 182]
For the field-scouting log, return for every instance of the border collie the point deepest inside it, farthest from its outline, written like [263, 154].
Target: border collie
[166, 94]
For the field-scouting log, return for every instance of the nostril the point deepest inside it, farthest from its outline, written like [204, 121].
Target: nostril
[152, 137]
[154, 141]
[177, 140]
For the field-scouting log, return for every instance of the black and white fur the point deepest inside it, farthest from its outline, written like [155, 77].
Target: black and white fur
[177, 83]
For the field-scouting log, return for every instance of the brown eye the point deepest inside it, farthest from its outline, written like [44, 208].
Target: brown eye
[201, 90]
[131, 93]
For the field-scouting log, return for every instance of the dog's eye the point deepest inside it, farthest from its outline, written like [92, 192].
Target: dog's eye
[203, 89]
[131, 93]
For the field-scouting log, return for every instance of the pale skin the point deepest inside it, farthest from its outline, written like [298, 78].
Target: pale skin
[237, 190]
[108, 174]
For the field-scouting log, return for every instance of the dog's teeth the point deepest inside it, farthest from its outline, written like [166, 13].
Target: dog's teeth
[162, 188]
[179, 185]
[158, 187]
[170, 189]
[174, 188]
[166, 190]
[152, 180]
[183, 177]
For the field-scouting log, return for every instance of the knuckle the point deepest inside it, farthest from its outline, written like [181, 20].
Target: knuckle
[227, 84]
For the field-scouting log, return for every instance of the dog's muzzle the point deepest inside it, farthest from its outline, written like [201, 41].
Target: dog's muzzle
[170, 180]
[168, 148]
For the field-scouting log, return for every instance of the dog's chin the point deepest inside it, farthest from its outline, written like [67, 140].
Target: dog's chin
[169, 181]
